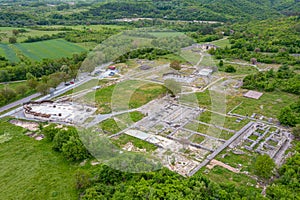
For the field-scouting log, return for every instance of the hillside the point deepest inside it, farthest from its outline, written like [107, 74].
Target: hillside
[52, 12]
[219, 10]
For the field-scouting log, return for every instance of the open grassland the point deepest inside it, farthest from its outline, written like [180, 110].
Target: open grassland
[30, 169]
[37, 51]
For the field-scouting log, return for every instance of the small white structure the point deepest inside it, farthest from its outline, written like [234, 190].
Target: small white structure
[253, 94]
[205, 72]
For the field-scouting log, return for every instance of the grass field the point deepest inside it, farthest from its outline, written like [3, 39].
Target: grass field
[6, 33]
[7, 51]
[57, 48]
[37, 51]
[30, 169]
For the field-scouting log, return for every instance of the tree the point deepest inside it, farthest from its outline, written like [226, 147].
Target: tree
[82, 179]
[173, 86]
[64, 76]
[8, 93]
[12, 40]
[54, 80]
[253, 61]
[263, 166]
[74, 150]
[43, 88]
[296, 132]
[21, 89]
[31, 81]
[50, 132]
[287, 117]
[4, 76]
[230, 69]
[15, 32]
[221, 63]
[62, 137]
[175, 65]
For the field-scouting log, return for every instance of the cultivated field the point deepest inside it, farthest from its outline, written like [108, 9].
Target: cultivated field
[37, 51]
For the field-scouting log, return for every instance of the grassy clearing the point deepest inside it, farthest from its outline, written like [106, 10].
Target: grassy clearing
[222, 43]
[208, 61]
[220, 174]
[125, 95]
[31, 169]
[129, 118]
[240, 69]
[124, 139]
[203, 98]
[268, 105]
[190, 56]
[110, 126]
[234, 160]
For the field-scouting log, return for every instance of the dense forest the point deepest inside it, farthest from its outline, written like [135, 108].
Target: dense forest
[92, 12]
[270, 41]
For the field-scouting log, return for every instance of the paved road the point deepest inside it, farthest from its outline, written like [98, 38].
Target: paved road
[19, 102]
[60, 90]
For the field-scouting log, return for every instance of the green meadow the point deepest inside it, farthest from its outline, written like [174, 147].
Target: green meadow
[30, 169]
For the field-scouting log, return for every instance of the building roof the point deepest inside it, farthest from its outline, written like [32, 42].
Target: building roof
[253, 94]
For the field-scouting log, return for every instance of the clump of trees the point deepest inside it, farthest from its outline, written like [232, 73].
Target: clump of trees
[290, 115]
[230, 69]
[284, 79]
[66, 141]
[264, 166]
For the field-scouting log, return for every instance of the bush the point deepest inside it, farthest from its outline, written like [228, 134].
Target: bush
[230, 69]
